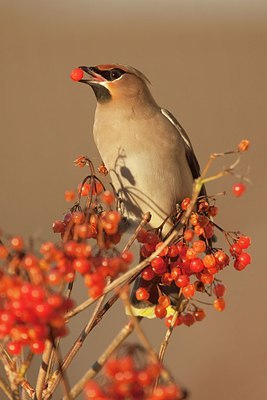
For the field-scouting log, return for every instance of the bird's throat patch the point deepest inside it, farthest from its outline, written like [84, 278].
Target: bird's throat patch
[102, 94]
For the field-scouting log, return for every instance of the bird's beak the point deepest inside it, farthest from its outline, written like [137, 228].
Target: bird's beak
[93, 76]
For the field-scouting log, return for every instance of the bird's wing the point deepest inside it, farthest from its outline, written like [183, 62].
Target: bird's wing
[190, 155]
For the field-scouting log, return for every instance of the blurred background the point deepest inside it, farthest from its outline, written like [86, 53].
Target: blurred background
[207, 61]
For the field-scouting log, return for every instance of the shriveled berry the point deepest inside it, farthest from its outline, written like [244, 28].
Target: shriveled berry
[243, 145]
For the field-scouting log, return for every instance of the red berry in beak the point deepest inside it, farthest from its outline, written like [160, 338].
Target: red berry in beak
[76, 74]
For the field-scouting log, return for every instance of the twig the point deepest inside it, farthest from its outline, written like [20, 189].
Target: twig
[6, 389]
[55, 379]
[146, 218]
[97, 366]
[43, 369]
[64, 380]
[52, 358]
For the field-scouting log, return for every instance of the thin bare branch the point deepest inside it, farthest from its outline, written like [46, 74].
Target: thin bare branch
[56, 377]
[146, 218]
[43, 369]
[97, 366]
[6, 389]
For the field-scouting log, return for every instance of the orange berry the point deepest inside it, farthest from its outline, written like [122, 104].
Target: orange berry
[188, 235]
[243, 145]
[17, 243]
[70, 195]
[219, 304]
[199, 246]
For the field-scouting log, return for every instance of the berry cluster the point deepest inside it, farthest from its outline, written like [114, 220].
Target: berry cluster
[188, 266]
[90, 237]
[30, 310]
[125, 379]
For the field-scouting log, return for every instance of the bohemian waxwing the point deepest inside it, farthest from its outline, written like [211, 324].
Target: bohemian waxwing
[148, 154]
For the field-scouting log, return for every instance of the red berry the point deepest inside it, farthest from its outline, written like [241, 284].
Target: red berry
[37, 347]
[107, 197]
[3, 252]
[199, 314]
[175, 272]
[93, 391]
[242, 261]
[158, 265]
[178, 321]
[185, 203]
[213, 211]
[219, 290]
[76, 74]
[70, 195]
[209, 261]
[84, 189]
[182, 281]
[189, 235]
[17, 243]
[222, 259]
[163, 252]
[173, 251]
[207, 279]
[188, 291]
[81, 265]
[14, 348]
[244, 242]
[196, 265]
[164, 301]
[127, 257]
[235, 249]
[148, 274]
[160, 311]
[58, 226]
[142, 294]
[199, 246]
[191, 253]
[188, 319]
[238, 189]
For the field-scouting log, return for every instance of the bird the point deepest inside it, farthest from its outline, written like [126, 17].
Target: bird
[147, 152]
[149, 156]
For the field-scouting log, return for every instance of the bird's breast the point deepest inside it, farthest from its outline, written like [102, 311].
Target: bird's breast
[146, 162]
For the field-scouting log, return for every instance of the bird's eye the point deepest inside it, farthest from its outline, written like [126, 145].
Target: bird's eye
[115, 74]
